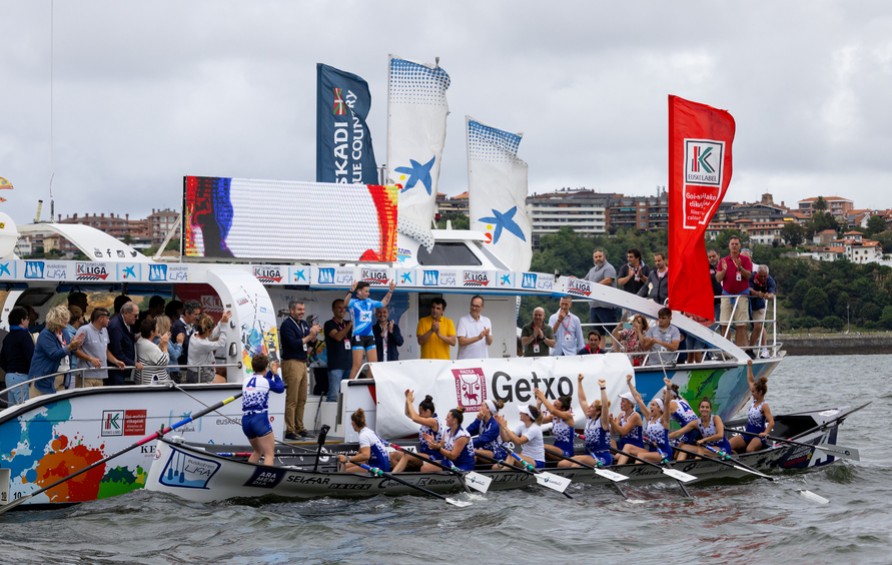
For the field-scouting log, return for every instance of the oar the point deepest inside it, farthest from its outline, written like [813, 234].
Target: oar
[322, 433]
[680, 477]
[835, 450]
[544, 478]
[379, 473]
[612, 476]
[503, 463]
[806, 493]
[133, 446]
[737, 464]
[472, 479]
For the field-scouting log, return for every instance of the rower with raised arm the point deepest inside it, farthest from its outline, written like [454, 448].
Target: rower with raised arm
[758, 416]
[713, 434]
[488, 444]
[255, 408]
[429, 427]
[563, 425]
[528, 435]
[372, 450]
[656, 432]
[597, 429]
[456, 444]
[680, 411]
[627, 426]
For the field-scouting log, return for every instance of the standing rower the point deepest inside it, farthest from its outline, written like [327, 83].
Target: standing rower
[758, 416]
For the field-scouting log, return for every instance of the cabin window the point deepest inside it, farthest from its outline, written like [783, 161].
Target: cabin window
[452, 253]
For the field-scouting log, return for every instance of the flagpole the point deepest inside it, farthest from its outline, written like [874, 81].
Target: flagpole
[386, 165]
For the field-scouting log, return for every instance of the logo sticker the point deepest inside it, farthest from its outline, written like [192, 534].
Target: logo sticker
[184, 470]
[91, 272]
[375, 277]
[470, 388]
[268, 274]
[34, 269]
[157, 273]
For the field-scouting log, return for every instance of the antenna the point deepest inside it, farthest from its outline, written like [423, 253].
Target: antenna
[39, 209]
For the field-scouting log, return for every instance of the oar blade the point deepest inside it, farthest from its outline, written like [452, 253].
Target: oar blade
[552, 481]
[754, 472]
[478, 482]
[611, 475]
[679, 475]
[814, 497]
[458, 503]
[839, 451]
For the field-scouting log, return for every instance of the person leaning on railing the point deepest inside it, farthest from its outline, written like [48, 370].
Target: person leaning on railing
[153, 357]
[51, 352]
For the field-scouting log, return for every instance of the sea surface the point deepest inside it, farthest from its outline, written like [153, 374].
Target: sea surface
[755, 521]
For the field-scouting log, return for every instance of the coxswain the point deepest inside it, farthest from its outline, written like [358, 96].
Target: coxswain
[689, 424]
[563, 425]
[255, 407]
[656, 430]
[372, 450]
[456, 444]
[429, 425]
[758, 416]
[528, 436]
[485, 429]
[713, 434]
[597, 430]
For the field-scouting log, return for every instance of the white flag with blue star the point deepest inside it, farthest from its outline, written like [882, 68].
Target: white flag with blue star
[497, 193]
[416, 133]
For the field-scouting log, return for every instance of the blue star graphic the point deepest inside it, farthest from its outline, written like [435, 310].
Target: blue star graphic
[406, 278]
[300, 276]
[417, 172]
[4, 268]
[504, 220]
[129, 272]
[506, 279]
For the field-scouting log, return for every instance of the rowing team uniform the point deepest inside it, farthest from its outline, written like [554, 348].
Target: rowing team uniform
[255, 403]
[719, 444]
[755, 421]
[597, 441]
[434, 454]
[466, 459]
[655, 433]
[488, 437]
[534, 448]
[684, 415]
[634, 437]
[563, 435]
[377, 450]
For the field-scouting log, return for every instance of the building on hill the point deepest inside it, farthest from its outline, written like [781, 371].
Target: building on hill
[838, 207]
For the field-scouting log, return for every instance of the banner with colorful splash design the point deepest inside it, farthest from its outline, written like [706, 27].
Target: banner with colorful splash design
[416, 134]
[251, 220]
[497, 193]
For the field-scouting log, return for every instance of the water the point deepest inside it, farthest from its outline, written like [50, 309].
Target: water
[753, 521]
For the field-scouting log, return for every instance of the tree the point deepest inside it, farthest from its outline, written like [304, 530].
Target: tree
[820, 204]
[799, 292]
[875, 225]
[821, 221]
[793, 234]
[815, 303]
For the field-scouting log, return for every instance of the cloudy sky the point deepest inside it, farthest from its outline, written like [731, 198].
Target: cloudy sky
[138, 94]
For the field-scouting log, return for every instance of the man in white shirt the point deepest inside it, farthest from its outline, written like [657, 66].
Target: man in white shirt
[567, 330]
[474, 332]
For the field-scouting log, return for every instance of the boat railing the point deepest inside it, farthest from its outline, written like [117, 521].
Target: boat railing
[78, 374]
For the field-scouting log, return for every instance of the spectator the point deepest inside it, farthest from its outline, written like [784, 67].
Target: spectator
[567, 330]
[154, 358]
[77, 298]
[633, 275]
[601, 313]
[388, 338]
[436, 332]
[51, 352]
[660, 338]
[593, 346]
[95, 350]
[362, 310]
[163, 326]
[474, 332]
[657, 287]
[15, 355]
[155, 309]
[762, 289]
[297, 338]
[122, 343]
[713, 256]
[120, 301]
[207, 339]
[180, 333]
[75, 321]
[34, 325]
[337, 346]
[631, 340]
[537, 336]
[734, 272]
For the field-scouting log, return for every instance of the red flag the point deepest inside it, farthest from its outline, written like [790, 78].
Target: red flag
[700, 139]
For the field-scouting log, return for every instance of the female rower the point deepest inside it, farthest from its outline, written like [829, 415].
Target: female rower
[528, 434]
[689, 432]
[486, 429]
[372, 450]
[597, 429]
[712, 435]
[456, 445]
[627, 426]
[656, 432]
[563, 425]
[758, 416]
[429, 426]
[255, 406]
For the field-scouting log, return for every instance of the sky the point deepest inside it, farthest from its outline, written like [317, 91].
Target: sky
[112, 103]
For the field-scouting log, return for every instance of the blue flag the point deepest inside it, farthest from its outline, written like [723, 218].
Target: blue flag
[344, 151]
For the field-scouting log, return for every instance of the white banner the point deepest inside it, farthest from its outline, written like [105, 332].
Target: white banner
[416, 133]
[468, 383]
[497, 192]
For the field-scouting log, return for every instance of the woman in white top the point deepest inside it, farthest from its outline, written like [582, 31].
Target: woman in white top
[153, 357]
[528, 434]
[206, 340]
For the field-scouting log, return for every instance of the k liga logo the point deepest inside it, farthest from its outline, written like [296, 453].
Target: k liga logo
[703, 162]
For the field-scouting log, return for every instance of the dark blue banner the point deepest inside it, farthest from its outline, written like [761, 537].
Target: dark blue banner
[343, 142]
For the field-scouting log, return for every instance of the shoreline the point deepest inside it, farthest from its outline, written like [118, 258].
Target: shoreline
[853, 343]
